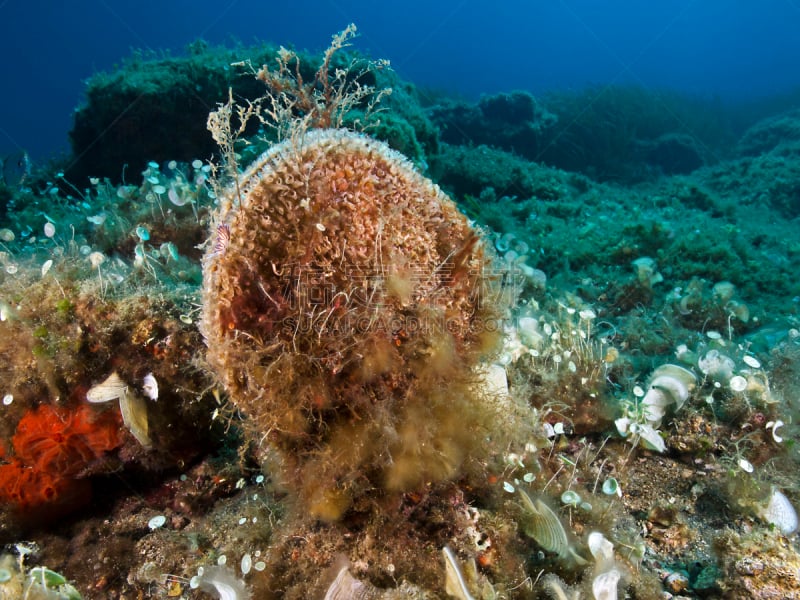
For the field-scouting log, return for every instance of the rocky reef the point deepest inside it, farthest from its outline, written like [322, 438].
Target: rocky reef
[357, 356]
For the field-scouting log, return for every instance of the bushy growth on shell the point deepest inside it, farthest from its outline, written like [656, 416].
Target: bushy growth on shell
[346, 304]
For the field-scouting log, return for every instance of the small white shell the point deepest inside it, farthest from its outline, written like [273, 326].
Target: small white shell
[774, 426]
[751, 361]
[247, 563]
[150, 386]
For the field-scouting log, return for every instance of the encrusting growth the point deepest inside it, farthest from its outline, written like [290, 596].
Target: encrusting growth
[347, 304]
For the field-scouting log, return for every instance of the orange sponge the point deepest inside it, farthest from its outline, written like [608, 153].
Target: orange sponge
[53, 449]
[61, 441]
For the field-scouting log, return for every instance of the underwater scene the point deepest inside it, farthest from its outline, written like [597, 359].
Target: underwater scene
[286, 324]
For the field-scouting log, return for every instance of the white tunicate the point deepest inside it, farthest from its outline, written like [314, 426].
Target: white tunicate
[716, 365]
[528, 331]
[8, 399]
[159, 189]
[260, 565]
[536, 277]
[156, 522]
[604, 586]
[175, 198]
[49, 229]
[745, 465]
[169, 250]
[96, 258]
[197, 163]
[222, 560]
[247, 563]
[242, 520]
[780, 513]
[46, 266]
[508, 487]
[503, 243]
[11, 269]
[738, 383]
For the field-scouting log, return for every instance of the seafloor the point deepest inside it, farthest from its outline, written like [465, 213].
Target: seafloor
[651, 359]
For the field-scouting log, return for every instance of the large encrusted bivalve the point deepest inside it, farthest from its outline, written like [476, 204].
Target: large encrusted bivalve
[347, 303]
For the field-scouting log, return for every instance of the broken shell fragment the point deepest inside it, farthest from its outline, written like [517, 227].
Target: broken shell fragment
[455, 583]
[347, 587]
[112, 388]
[132, 407]
[544, 526]
[669, 384]
[134, 415]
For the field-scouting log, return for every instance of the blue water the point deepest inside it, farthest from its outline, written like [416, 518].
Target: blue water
[735, 50]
